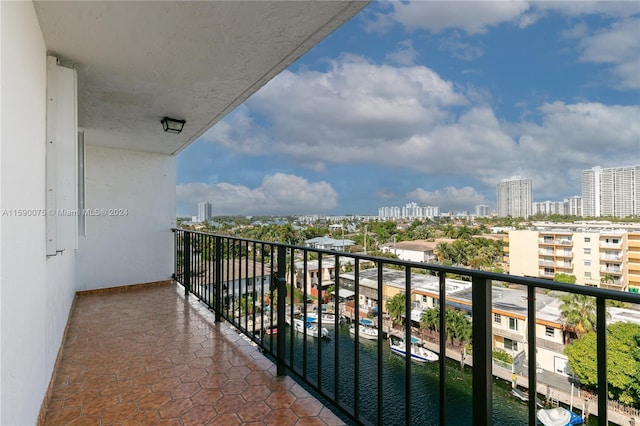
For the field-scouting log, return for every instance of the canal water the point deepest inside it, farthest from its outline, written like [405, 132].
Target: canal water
[507, 410]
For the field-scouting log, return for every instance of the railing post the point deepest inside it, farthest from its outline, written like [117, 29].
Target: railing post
[601, 351]
[187, 263]
[282, 301]
[531, 349]
[482, 387]
[217, 296]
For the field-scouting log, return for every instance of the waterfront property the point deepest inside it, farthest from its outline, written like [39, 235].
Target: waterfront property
[333, 368]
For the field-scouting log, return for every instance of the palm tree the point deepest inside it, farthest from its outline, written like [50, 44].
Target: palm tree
[396, 306]
[430, 319]
[578, 311]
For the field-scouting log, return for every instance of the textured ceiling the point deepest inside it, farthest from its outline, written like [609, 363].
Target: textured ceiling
[140, 61]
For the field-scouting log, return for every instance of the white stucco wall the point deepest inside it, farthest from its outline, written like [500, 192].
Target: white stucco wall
[135, 243]
[35, 291]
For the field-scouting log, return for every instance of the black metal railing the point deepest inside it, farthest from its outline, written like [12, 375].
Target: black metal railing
[252, 285]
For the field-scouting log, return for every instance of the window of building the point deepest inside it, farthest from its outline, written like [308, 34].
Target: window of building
[510, 345]
[587, 250]
[497, 318]
[587, 274]
[513, 324]
[587, 262]
[587, 239]
[424, 299]
[549, 331]
[436, 303]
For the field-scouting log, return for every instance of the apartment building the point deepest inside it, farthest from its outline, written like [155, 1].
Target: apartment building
[596, 256]
[204, 211]
[611, 191]
[514, 197]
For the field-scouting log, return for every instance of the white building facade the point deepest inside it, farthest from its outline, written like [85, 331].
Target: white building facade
[611, 192]
[514, 197]
[204, 211]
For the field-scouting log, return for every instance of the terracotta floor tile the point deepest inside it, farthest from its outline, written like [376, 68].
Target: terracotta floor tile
[310, 421]
[307, 407]
[185, 390]
[206, 396]
[227, 420]
[119, 413]
[175, 408]
[149, 356]
[280, 417]
[199, 415]
[234, 387]
[278, 400]
[256, 393]
[229, 404]
[154, 401]
[254, 412]
[142, 418]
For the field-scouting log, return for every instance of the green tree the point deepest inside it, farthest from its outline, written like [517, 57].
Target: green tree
[396, 306]
[623, 362]
[564, 278]
[578, 311]
[430, 319]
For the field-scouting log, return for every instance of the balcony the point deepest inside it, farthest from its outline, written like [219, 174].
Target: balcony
[152, 355]
[611, 270]
[353, 373]
[564, 253]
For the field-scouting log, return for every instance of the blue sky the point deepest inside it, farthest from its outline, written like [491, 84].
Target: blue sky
[434, 103]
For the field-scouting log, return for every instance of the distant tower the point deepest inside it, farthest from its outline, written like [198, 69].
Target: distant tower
[514, 197]
[483, 210]
[611, 192]
[204, 211]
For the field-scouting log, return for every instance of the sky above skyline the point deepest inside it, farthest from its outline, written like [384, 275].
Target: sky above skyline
[434, 103]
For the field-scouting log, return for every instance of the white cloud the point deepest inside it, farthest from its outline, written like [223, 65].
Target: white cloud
[279, 194]
[618, 45]
[473, 17]
[405, 54]
[574, 137]
[448, 198]
[476, 17]
[409, 118]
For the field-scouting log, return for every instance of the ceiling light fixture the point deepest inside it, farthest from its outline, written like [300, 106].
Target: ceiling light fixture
[172, 125]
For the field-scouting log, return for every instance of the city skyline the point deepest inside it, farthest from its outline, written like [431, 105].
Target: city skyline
[430, 103]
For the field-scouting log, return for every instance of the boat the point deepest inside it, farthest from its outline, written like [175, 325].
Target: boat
[558, 416]
[310, 328]
[418, 353]
[364, 332]
[524, 396]
[328, 319]
[273, 330]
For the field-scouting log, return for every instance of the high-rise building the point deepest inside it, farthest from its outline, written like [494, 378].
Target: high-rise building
[573, 206]
[483, 210]
[514, 197]
[204, 211]
[611, 192]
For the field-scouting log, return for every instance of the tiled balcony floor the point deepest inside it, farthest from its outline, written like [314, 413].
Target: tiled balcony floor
[149, 357]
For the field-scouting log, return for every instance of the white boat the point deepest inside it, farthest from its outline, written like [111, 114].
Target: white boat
[558, 417]
[364, 332]
[310, 327]
[418, 353]
[328, 320]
